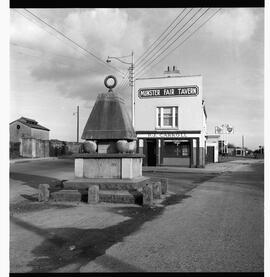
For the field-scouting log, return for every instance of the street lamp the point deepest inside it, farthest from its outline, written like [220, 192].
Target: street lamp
[131, 76]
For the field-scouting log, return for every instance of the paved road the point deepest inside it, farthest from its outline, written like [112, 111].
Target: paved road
[36, 172]
[218, 228]
[214, 222]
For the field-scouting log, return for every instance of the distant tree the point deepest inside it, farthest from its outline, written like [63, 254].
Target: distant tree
[231, 145]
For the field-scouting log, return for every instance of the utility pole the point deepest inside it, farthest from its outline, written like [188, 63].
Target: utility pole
[78, 114]
[131, 79]
[131, 83]
[243, 146]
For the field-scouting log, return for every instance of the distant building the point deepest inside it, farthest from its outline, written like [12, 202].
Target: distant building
[212, 148]
[27, 128]
[28, 138]
[231, 151]
[240, 152]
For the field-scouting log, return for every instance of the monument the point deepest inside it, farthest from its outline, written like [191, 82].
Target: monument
[109, 160]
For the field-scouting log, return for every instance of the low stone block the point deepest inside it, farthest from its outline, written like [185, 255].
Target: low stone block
[67, 195]
[164, 185]
[43, 193]
[93, 194]
[147, 195]
[116, 196]
[157, 190]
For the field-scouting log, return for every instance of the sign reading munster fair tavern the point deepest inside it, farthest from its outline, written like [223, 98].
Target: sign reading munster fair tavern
[168, 91]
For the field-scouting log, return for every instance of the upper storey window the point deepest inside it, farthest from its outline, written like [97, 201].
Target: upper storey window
[167, 117]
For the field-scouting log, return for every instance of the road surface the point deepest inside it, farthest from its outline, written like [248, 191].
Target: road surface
[214, 222]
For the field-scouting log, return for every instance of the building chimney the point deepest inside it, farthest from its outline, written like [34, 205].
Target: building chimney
[173, 72]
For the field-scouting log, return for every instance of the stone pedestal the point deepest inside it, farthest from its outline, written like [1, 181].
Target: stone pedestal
[116, 166]
[117, 177]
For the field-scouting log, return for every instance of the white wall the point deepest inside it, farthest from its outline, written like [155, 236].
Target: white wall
[39, 134]
[16, 134]
[215, 144]
[190, 110]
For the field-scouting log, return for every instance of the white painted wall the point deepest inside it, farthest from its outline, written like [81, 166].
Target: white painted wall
[190, 111]
[189, 107]
[39, 134]
[15, 134]
[216, 149]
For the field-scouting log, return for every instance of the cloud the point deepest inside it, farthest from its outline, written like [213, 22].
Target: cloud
[234, 24]
[102, 31]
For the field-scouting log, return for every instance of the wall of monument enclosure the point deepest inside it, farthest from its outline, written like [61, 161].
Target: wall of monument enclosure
[37, 148]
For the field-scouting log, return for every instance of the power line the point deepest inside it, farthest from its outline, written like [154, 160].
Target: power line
[46, 30]
[75, 43]
[164, 39]
[161, 35]
[46, 52]
[54, 61]
[125, 84]
[72, 41]
[171, 38]
[39, 24]
[192, 33]
[123, 80]
[174, 40]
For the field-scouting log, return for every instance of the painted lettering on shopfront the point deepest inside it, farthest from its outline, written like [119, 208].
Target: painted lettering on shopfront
[168, 91]
[166, 135]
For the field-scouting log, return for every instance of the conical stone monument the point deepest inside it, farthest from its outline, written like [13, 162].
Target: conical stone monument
[109, 119]
[109, 160]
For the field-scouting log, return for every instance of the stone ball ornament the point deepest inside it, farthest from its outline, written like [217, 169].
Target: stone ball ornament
[110, 82]
[89, 146]
[132, 146]
[122, 146]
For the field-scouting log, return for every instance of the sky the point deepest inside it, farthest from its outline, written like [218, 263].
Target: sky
[49, 76]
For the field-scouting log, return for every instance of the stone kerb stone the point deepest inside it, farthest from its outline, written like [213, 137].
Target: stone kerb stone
[44, 193]
[164, 185]
[67, 195]
[157, 190]
[93, 194]
[147, 192]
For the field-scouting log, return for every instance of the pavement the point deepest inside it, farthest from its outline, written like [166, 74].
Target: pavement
[210, 224]
[21, 160]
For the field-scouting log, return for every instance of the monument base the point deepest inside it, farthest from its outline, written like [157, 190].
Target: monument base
[107, 183]
[111, 190]
[116, 165]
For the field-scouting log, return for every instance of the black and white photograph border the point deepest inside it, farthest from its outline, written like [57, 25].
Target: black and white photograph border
[85, 192]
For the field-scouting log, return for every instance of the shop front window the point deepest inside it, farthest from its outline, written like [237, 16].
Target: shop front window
[176, 150]
[167, 117]
[185, 150]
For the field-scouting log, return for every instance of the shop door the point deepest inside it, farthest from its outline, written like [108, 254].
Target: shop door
[210, 154]
[151, 152]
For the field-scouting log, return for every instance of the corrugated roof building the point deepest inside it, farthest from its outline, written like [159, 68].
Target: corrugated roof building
[27, 128]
